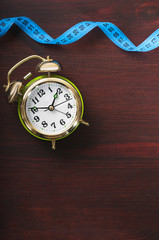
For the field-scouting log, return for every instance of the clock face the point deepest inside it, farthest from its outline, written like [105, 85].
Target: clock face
[52, 107]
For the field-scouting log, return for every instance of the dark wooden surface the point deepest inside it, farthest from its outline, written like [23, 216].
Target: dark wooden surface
[102, 182]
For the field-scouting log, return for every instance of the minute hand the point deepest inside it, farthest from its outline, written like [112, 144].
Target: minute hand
[39, 108]
[62, 102]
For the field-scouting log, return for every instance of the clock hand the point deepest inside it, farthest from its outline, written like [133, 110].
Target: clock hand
[38, 108]
[55, 96]
[62, 102]
[59, 111]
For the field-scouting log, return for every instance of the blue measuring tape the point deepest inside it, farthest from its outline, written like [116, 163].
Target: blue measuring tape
[78, 31]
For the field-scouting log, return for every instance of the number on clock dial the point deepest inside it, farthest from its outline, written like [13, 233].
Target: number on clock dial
[68, 115]
[36, 118]
[67, 96]
[59, 91]
[62, 122]
[53, 125]
[69, 105]
[35, 100]
[45, 124]
[41, 92]
[34, 110]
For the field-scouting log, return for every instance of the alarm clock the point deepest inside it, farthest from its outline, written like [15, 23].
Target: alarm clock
[50, 106]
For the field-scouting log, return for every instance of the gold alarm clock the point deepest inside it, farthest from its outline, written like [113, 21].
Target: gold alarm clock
[50, 107]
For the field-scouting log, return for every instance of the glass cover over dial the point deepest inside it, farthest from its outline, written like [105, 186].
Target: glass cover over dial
[51, 108]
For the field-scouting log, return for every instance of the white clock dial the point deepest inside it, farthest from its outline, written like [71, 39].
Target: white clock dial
[51, 108]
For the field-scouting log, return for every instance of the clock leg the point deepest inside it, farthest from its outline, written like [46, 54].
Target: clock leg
[83, 122]
[53, 141]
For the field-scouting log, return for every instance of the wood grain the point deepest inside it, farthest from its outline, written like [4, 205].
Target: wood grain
[102, 182]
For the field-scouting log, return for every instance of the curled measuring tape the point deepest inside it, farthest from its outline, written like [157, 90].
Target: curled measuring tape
[78, 31]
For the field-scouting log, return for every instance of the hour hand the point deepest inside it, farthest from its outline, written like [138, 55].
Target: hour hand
[55, 96]
[51, 107]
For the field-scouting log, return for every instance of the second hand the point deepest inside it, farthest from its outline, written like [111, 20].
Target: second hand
[59, 111]
[62, 102]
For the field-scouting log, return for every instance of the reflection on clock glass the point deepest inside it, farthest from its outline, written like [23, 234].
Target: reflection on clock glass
[51, 108]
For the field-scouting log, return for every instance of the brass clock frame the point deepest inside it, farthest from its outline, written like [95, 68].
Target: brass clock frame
[22, 107]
